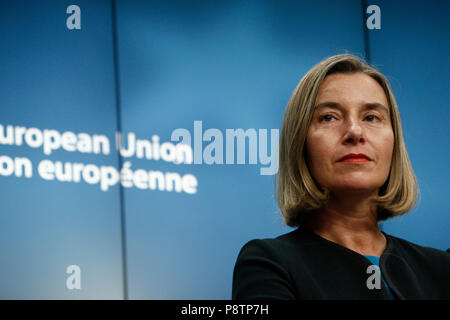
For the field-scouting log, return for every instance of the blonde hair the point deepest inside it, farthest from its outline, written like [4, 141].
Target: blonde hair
[298, 194]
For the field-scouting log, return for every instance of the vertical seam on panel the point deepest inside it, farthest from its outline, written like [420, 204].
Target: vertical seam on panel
[119, 129]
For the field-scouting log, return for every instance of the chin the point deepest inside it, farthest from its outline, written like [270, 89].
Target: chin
[356, 185]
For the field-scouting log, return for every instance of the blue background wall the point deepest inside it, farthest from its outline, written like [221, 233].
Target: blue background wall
[53, 78]
[150, 67]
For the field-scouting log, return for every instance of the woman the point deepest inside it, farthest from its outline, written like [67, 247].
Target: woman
[343, 168]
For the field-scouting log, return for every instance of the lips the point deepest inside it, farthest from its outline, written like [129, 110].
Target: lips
[355, 158]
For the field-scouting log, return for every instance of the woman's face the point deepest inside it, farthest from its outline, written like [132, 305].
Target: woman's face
[350, 139]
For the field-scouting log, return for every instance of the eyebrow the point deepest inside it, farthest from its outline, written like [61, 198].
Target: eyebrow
[365, 106]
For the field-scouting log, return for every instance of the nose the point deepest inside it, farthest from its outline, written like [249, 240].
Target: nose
[354, 132]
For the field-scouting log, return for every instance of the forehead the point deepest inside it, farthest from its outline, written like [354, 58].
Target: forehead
[350, 88]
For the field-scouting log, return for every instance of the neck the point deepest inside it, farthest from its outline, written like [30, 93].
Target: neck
[350, 221]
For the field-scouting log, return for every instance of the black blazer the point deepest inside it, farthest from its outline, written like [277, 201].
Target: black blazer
[303, 265]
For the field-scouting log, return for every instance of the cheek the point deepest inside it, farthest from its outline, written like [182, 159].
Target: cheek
[311, 149]
[386, 148]
[317, 152]
[319, 144]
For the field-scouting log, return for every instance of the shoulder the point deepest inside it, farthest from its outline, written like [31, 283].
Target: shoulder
[420, 253]
[262, 269]
[273, 247]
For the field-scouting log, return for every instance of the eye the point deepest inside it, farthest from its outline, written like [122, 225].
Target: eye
[326, 118]
[372, 118]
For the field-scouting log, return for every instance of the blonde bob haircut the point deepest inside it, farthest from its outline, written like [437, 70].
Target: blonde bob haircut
[298, 195]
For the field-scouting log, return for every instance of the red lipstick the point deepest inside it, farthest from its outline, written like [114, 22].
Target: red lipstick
[355, 158]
